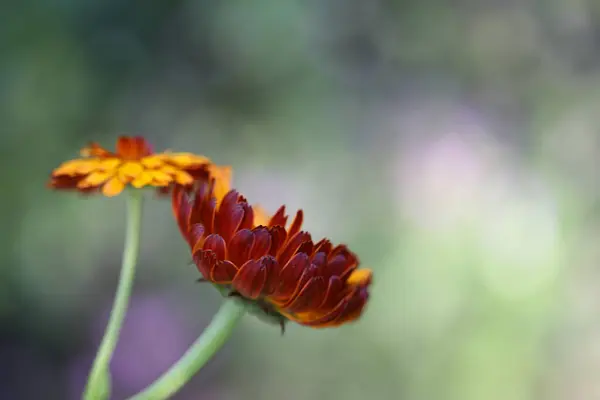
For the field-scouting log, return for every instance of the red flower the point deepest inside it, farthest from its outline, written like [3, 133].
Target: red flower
[280, 269]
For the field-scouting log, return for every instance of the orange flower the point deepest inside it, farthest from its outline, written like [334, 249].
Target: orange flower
[277, 268]
[134, 163]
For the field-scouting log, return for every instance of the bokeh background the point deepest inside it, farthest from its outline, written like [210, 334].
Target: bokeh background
[453, 145]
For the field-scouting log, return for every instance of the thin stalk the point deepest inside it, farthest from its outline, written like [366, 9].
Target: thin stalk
[202, 350]
[98, 385]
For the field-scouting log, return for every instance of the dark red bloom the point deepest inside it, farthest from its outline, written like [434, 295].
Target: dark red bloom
[280, 269]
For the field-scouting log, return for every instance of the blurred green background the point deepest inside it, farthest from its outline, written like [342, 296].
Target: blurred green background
[453, 145]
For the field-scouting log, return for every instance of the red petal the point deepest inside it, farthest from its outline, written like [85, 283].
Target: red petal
[248, 220]
[323, 245]
[296, 224]
[278, 236]
[203, 191]
[307, 275]
[341, 265]
[272, 267]
[333, 294]
[181, 210]
[216, 244]
[279, 219]
[343, 250]
[133, 148]
[334, 313]
[319, 260]
[229, 216]
[309, 297]
[262, 242]
[229, 201]
[290, 275]
[292, 246]
[202, 209]
[240, 246]
[306, 247]
[196, 237]
[205, 260]
[251, 279]
[207, 215]
[223, 272]
[346, 310]
[355, 307]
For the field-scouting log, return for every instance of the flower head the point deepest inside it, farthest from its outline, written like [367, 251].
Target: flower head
[278, 268]
[134, 163]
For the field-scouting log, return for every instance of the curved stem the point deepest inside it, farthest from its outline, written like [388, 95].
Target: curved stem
[98, 386]
[202, 350]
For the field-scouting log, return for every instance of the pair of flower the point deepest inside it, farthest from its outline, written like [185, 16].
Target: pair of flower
[270, 264]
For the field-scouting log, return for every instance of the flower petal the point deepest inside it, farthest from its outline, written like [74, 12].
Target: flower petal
[348, 309]
[108, 164]
[296, 224]
[262, 243]
[152, 162]
[360, 277]
[216, 244]
[75, 167]
[292, 245]
[185, 160]
[183, 178]
[195, 237]
[240, 246]
[133, 148]
[278, 236]
[223, 272]
[159, 178]
[229, 216]
[333, 293]
[279, 219]
[205, 261]
[250, 279]
[306, 276]
[113, 187]
[130, 170]
[290, 275]
[309, 297]
[143, 179]
[182, 209]
[94, 179]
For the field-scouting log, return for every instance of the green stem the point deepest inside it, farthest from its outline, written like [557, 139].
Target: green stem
[98, 385]
[202, 350]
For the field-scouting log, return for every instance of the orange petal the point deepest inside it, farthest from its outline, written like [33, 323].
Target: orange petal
[130, 170]
[113, 187]
[169, 169]
[75, 167]
[94, 179]
[108, 164]
[160, 178]
[361, 276]
[186, 160]
[183, 178]
[143, 179]
[152, 162]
